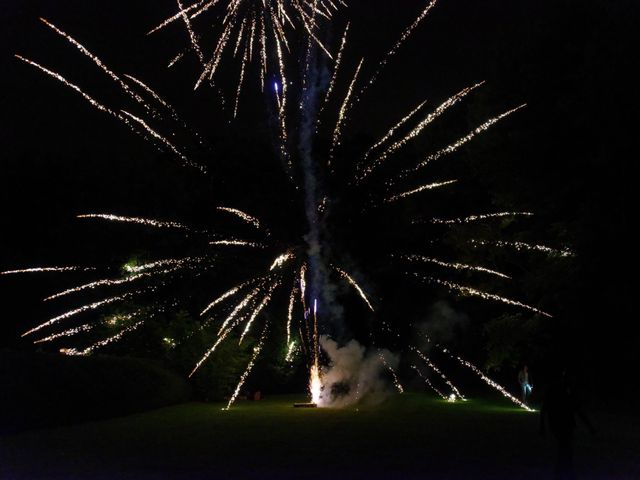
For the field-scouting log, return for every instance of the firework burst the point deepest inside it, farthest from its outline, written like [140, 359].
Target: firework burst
[354, 236]
[251, 31]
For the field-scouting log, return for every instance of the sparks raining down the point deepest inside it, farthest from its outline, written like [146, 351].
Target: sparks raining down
[415, 132]
[67, 333]
[89, 350]
[256, 351]
[47, 269]
[140, 221]
[522, 246]
[429, 383]
[460, 142]
[433, 367]
[76, 311]
[423, 188]
[478, 218]
[242, 215]
[282, 267]
[354, 284]
[135, 122]
[257, 29]
[455, 266]
[470, 291]
[106, 282]
[482, 376]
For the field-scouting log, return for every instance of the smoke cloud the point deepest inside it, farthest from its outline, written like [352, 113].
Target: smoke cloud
[354, 374]
[442, 325]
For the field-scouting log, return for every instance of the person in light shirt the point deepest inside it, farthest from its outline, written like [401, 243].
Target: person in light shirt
[523, 380]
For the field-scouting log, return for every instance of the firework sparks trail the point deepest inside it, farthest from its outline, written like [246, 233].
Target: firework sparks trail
[393, 129]
[265, 300]
[292, 301]
[256, 351]
[455, 266]
[245, 59]
[221, 338]
[67, 333]
[337, 132]
[396, 382]
[229, 293]
[336, 69]
[99, 63]
[115, 77]
[482, 376]
[291, 351]
[423, 188]
[429, 383]
[493, 384]
[126, 118]
[470, 291]
[175, 59]
[109, 283]
[316, 337]
[48, 269]
[413, 134]
[89, 350]
[196, 6]
[433, 367]
[84, 308]
[239, 307]
[308, 27]
[478, 218]
[95, 103]
[391, 53]
[141, 221]
[156, 97]
[522, 246]
[236, 243]
[306, 71]
[177, 262]
[164, 141]
[460, 142]
[195, 45]
[281, 260]
[243, 216]
[247, 22]
[282, 112]
[355, 285]
[210, 68]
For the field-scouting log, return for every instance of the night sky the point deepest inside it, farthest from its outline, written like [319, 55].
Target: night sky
[567, 156]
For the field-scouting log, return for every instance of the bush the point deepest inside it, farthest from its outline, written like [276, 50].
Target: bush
[41, 390]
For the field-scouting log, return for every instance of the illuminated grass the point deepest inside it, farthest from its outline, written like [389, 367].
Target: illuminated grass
[409, 435]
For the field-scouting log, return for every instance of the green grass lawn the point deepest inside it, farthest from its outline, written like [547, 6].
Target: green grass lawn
[409, 436]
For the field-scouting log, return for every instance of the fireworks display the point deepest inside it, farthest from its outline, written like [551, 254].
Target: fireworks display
[250, 30]
[296, 273]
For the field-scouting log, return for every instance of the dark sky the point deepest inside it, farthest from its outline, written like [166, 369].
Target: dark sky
[569, 153]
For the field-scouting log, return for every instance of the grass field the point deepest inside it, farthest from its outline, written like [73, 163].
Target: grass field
[409, 436]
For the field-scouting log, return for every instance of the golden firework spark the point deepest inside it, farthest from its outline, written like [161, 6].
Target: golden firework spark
[433, 367]
[47, 269]
[355, 285]
[423, 188]
[523, 246]
[470, 291]
[455, 265]
[479, 217]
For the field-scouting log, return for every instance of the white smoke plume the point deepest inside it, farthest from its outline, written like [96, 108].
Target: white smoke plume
[354, 374]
